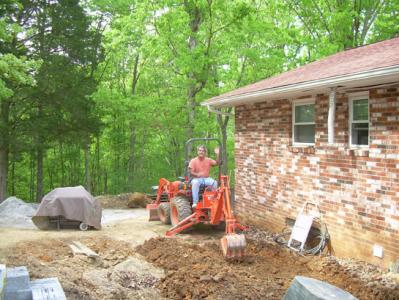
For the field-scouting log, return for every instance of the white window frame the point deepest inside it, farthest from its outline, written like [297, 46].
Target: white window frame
[296, 103]
[353, 97]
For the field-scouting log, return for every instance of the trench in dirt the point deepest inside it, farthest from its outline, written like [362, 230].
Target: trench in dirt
[189, 266]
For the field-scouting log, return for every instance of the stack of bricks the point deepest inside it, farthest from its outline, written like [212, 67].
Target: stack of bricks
[357, 189]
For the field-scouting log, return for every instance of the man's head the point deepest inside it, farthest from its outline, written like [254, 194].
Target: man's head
[201, 151]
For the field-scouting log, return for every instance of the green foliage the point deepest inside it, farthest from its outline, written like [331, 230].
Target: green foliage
[127, 77]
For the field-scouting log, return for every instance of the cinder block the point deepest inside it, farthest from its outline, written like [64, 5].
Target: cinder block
[17, 278]
[25, 294]
[2, 280]
[313, 289]
[17, 284]
[47, 289]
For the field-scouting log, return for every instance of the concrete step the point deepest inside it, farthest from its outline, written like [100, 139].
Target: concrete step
[47, 289]
[2, 281]
[312, 289]
[17, 284]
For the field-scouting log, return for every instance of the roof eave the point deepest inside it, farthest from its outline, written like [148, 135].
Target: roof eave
[263, 95]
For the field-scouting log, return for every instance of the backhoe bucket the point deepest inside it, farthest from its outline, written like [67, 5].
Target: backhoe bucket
[233, 245]
[153, 210]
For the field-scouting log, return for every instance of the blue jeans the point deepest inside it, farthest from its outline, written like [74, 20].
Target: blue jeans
[197, 182]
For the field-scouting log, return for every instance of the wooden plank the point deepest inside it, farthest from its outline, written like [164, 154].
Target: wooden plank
[79, 248]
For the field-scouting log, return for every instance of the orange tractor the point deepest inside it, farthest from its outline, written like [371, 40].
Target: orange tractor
[173, 206]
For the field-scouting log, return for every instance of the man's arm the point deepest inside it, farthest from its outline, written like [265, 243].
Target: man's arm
[193, 173]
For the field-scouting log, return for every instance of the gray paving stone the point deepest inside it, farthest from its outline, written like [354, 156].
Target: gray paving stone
[2, 280]
[25, 294]
[312, 289]
[17, 279]
[47, 289]
[17, 284]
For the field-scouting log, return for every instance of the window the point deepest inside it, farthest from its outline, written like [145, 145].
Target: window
[359, 120]
[304, 123]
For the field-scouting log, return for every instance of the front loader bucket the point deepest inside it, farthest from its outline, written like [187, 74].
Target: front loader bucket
[233, 245]
[153, 209]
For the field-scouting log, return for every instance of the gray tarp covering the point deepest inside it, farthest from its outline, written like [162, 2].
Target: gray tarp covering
[72, 203]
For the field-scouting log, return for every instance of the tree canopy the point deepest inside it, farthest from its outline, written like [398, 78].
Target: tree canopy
[105, 93]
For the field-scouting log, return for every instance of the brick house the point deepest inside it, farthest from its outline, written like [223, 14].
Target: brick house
[326, 132]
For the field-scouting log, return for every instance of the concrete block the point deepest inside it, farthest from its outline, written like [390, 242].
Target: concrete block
[17, 279]
[47, 289]
[17, 284]
[24, 294]
[2, 280]
[313, 289]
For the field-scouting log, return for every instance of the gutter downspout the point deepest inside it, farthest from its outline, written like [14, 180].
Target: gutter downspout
[218, 112]
[331, 115]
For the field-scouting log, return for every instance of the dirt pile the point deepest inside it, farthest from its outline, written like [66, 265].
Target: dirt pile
[189, 266]
[116, 274]
[15, 212]
[127, 200]
[200, 271]
[137, 200]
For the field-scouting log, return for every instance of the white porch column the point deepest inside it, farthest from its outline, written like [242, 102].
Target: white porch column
[331, 115]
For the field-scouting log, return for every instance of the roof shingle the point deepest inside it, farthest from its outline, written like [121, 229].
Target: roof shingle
[362, 59]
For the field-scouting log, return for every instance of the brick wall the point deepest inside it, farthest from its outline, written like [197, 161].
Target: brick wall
[357, 190]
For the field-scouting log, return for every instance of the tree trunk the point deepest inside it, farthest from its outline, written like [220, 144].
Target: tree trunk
[52, 173]
[105, 182]
[194, 13]
[3, 173]
[136, 74]
[4, 146]
[62, 164]
[222, 122]
[142, 153]
[87, 167]
[12, 176]
[39, 158]
[190, 111]
[131, 164]
[32, 176]
[99, 175]
[176, 157]
[39, 174]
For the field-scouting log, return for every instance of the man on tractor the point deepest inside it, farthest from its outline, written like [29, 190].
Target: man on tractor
[200, 168]
[215, 206]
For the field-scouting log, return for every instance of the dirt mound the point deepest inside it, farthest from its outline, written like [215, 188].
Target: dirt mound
[200, 271]
[127, 200]
[15, 212]
[116, 274]
[110, 201]
[138, 200]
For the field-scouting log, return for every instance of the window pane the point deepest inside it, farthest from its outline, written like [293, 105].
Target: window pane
[361, 110]
[304, 113]
[304, 133]
[360, 134]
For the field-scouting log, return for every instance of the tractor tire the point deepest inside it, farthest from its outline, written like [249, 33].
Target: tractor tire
[164, 212]
[180, 209]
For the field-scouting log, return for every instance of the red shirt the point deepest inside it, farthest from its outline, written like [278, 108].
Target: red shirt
[202, 166]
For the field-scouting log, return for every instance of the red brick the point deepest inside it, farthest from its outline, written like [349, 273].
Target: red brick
[363, 192]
